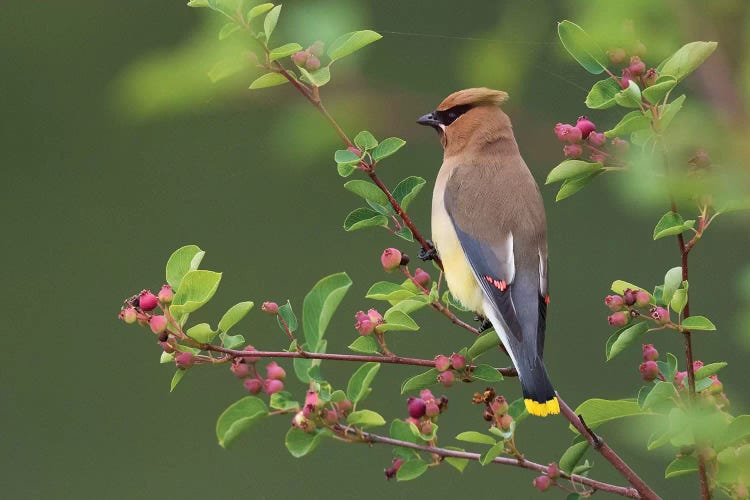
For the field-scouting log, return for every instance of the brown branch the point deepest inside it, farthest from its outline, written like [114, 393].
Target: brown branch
[604, 449]
[366, 437]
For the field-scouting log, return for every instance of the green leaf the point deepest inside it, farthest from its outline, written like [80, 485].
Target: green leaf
[202, 333]
[687, 59]
[635, 120]
[411, 469]
[517, 410]
[602, 94]
[490, 455]
[486, 373]
[625, 338]
[197, 288]
[268, 80]
[660, 396]
[698, 323]
[570, 169]
[317, 78]
[619, 287]
[670, 224]
[656, 92]
[476, 437]
[285, 50]
[182, 261]
[176, 379]
[404, 431]
[709, 369]
[225, 68]
[574, 184]
[359, 384]
[484, 343]
[385, 290]
[367, 190]
[582, 47]
[573, 455]
[738, 430]
[629, 97]
[366, 345]
[238, 418]
[231, 341]
[679, 300]
[269, 23]
[299, 443]
[345, 157]
[733, 206]
[351, 42]
[197, 3]
[387, 148]
[670, 111]
[361, 218]
[398, 321]
[283, 401]
[166, 357]
[421, 381]
[681, 466]
[320, 304]
[405, 234]
[287, 314]
[599, 411]
[407, 190]
[365, 140]
[227, 7]
[658, 439]
[234, 315]
[450, 301]
[227, 30]
[365, 418]
[258, 10]
[455, 462]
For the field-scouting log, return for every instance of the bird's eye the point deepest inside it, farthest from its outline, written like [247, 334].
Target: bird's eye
[452, 115]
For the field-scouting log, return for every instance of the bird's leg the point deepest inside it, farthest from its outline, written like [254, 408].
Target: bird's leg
[485, 323]
[428, 253]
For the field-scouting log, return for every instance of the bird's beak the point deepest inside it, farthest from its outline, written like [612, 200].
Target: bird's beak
[429, 119]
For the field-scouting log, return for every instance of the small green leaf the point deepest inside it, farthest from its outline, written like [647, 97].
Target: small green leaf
[517, 410]
[450, 301]
[285, 50]
[231, 341]
[635, 120]
[681, 466]
[398, 321]
[183, 260]
[698, 323]
[687, 59]
[166, 357]
[411, 469]
[572, 168]
[709, 369]
[359, 384]
[738, 430]
[258, 10]
[663, 394]
[234, 315]
[269, 23]
[196, 288]
[345, 157]
[238, 418]
[287, 314]
[629, 97]
[733, 206]
[366, 345]
[625, 338]
[455, 462]
[490, 455]
[320, 304]
[268, 80]
[385, 290]
[202, 333]
[602, 94]
[299, 443]
[619, 287]
[407, 190]
[486, 373]
[283, 401]
[656, 92]
[176, 379]
[574, 184]
[387, 147]
[421, 381]
[599, 411]
[227, 7]
[367, 190]
[679, 300]
[227, 30]
[573, 455]
[351, 42]
[671, 111]
[365, 418]
[405, 234]
[361, 218]
[317, 78]
[365, 140]
[484, 343]
[658, 439]
[582, 47]
[671, 224]
[476, 437]
[404, 431]
[197, 3]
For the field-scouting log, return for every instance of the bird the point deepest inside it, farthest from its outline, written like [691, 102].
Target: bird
[489, 230]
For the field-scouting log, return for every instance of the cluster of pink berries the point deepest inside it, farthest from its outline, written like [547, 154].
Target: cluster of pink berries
[496, 408]
[583, 141]
[625, 306]
[245, 368]
[310, 57]
[543, 483]
[392, 259]
[317, 413]
[446, 366]
[424, 410]
[634, 67]
[367, 322]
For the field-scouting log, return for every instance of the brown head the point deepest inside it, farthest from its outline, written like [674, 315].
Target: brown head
[470, 119]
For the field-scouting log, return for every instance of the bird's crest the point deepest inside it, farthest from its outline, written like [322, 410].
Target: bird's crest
[476, 96]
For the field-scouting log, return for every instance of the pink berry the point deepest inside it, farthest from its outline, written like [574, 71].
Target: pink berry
[300, 58]
[345, 406]
[312, 399]
[442, 362]
[458, 361]
[166, 294]
[650, 77]
[642, 299]
[426, 394]
[374, 316]
[626, 77]
[597, 139]
[147, 301]
[391, 259]
[553, 471]
[250, 359]
[505, 422]
[617, 56]
[303, 423]
[426, 427]
[312, 63]
[446, 378]
[184, 359]
[586, 126]
[240, 368]
[316, 48]
[568, 133]
[416, 407]
[157, 323]
[272, 386]
[660, 315]
[618, 319]
[542, 483]
[572, 151]
[499, 406]
[167, 347]
[274, 371]
[679, 378]
[649, 370]
[629, 297]
[697, 365]
[621, 145]
[432, 409]
[650, 353]
[253, 385]
[390, 472]
[614, 302]
[422, 277]
[637, 67]
[330, 416]
[128, 315]
[364, 327]
[270, 307]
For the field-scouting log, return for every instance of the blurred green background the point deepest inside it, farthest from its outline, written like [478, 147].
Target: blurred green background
[117, 149]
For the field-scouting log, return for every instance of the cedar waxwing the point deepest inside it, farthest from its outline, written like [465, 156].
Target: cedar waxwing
[490, 231]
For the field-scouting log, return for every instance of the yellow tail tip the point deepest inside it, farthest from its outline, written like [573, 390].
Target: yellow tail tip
[551, 407]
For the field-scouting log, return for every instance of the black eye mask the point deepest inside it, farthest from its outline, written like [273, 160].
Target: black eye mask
[448, 116]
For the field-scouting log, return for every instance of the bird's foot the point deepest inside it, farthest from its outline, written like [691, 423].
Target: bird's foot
[428, 253]
[485, 323]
